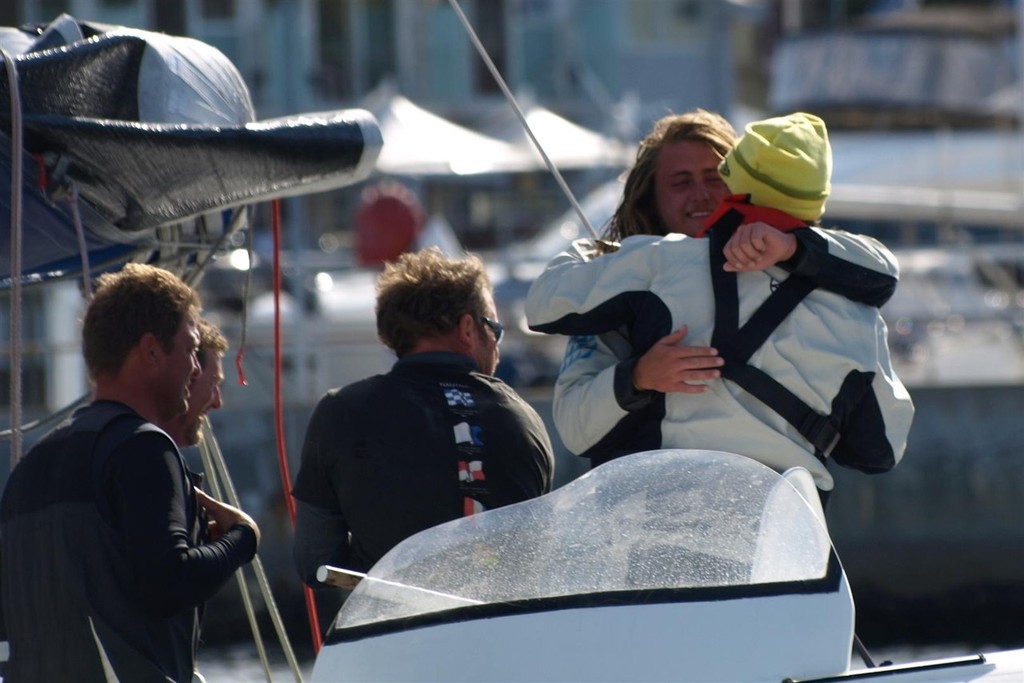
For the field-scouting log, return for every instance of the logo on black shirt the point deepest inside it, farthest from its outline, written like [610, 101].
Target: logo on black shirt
[458, 397]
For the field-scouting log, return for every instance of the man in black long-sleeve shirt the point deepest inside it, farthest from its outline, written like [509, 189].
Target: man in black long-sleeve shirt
[435, 439]
[108, 550]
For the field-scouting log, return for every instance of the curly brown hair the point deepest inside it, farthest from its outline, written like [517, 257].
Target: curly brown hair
[637, 213]
[134, 301]
[423, 295]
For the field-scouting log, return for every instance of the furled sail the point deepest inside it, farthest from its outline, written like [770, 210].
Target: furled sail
[135, 131]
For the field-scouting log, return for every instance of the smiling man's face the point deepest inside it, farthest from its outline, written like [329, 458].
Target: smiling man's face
[687, 185]
[204, 396]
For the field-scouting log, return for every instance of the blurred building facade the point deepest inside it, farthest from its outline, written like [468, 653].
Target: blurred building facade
[611, 65]
[582, 56]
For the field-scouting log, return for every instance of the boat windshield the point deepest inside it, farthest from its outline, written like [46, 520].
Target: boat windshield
[653, 520]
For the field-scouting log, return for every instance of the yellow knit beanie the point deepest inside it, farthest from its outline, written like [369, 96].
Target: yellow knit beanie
[783, 163]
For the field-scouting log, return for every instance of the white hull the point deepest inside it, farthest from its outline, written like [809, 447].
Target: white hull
[661, 642]
[663, 566]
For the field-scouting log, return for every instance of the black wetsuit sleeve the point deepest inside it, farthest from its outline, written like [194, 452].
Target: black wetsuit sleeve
[317, 534]
[154, 509]
[848, 279]
[523, 459]
[314, 483]
[321, 530]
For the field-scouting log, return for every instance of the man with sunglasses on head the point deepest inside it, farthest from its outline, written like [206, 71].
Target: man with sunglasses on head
[436, 438]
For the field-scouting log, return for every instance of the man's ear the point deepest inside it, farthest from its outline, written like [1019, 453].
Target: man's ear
[467, 328]
[150, 348]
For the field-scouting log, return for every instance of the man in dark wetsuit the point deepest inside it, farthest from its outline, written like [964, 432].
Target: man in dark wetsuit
[109, 551]
[435, 439]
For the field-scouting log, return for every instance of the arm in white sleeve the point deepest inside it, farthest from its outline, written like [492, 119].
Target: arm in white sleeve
[594, 390]
[875, 429]
[578, 296]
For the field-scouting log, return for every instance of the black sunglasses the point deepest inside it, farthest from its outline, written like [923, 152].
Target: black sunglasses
[497, 328]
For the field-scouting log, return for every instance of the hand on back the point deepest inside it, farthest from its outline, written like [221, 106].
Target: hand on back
[668, 367]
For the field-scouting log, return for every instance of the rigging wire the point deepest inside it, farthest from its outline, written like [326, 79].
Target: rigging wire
[51, 419]
[211, 249]
[16, 171]
[522, 118]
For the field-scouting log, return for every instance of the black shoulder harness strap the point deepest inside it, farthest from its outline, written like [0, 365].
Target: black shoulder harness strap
[112, 424]
[736, 345]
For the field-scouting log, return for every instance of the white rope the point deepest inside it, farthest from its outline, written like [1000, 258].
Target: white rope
[76, 214]
[16, 170]
[522, 118]
[214, 462]
[213, 480]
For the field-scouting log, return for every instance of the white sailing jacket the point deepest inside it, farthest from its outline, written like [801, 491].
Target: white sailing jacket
[652, 286]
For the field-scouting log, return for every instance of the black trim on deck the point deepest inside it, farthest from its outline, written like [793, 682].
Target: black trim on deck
[826, 584]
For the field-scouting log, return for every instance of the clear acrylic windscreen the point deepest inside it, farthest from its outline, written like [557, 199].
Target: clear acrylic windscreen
[658, 519]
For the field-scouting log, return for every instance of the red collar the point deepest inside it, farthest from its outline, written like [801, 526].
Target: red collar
[752, 214]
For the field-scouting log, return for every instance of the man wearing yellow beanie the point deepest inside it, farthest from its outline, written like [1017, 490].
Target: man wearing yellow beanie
[832, 390]
[784, 163]
[779, 174]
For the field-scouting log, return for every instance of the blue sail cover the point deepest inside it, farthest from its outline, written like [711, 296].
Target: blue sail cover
[49, 244]
[150, 131]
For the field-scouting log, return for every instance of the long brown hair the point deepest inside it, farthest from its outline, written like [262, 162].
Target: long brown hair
[637, 213]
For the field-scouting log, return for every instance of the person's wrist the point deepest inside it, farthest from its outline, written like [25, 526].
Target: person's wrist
[793, 262]
[628, 395]
[636, 385]
[791, 244]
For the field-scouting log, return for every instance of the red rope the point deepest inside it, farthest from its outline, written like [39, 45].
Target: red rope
[239, 357]
[282, 454]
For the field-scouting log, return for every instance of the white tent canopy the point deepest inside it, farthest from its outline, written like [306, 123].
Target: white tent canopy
[567, 144]
[419, 143]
